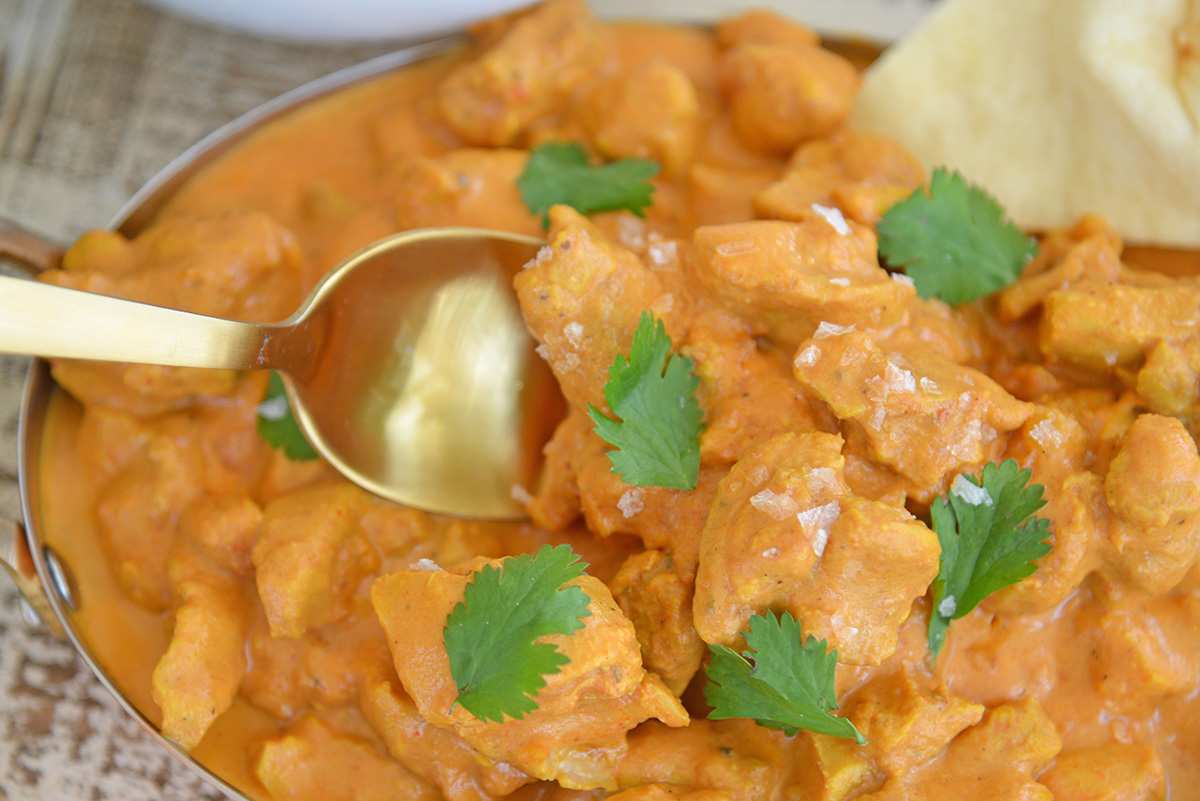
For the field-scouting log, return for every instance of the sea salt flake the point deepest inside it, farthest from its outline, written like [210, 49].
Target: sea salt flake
[736, 247]
[427, 565]
[574, 333]
[631, 502]
[969, 491]
[758, 474]
[834, 217]
[928, 384]
[948, 606]
[821, 480]
[840, 281]
[1047, 434]
[770, 553]
[273, 409]
[817, 523]
[831, 330]
[777, 505]
[662, 253]
[901, 278]
[808, 356]
[898, 379]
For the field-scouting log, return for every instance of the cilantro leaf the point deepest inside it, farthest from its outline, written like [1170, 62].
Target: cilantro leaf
[491, 636]
[657, 438]
[789, 687]
[954, 241]
[278, 427]
[989, 538]
[558, 172]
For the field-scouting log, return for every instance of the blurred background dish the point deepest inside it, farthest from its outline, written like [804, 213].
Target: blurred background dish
[347, 20]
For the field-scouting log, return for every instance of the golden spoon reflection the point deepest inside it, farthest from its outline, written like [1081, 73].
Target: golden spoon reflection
[408, 367]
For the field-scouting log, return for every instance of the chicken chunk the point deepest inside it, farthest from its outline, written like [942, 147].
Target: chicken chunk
[1105, 326]
[138, 511]
[650, 111]
[779, 95]
[582, 299]
[312, 759]
[312, 556]
[994, 760]
[907, 725]
[463, 187]
[1109, 772]
[786, 532]
[927, 418]
[1153, 489]
[436, 754]
[577, 733]
[733, 760]
[524, 74]
[1054, 447]
[199, 675]
[860, 175]
[225, 527]
[790, 277]
[657, 599]
[746, 388]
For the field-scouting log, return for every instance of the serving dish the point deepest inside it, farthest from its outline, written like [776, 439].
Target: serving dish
[804, 358]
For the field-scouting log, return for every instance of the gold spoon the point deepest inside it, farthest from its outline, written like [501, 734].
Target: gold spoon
[408, 367]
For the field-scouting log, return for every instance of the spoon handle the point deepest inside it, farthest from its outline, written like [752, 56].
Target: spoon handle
[39, 319]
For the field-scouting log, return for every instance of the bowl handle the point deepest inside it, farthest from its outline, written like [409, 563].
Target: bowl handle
[29, 251]
[17, 561]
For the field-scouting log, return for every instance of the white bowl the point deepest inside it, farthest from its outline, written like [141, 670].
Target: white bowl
[341, 20]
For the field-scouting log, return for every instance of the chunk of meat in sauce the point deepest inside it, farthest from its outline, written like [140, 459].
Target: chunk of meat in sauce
[582, 298]
[199, 675]
[858, 174]
[1153, 488]
[785, 279]
[786, 532]
[577, 733]
[782, 94]
[313, 759]
[657, 599]
[1109, 772]
[995, 760]
[526, 73]
[435, 753]
[312, 556]
[472, 187]
[927, 418]
[650, 111]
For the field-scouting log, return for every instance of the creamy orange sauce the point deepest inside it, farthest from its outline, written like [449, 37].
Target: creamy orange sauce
[267, 616]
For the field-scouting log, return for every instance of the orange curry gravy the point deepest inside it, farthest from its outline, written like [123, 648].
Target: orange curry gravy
[281, 624]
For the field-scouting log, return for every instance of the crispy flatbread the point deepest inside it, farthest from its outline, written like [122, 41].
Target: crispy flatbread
[1057, 107]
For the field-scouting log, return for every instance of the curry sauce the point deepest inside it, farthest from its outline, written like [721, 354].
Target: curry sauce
[285, 626]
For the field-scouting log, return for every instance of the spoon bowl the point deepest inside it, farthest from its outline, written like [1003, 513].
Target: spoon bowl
[409, 367]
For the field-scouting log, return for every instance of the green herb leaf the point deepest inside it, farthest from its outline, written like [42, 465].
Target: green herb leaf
[657, 438]
[990, 540]
[954, 241]
[789, 687]
[278, 427]
[491, 636]
[558, 172]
